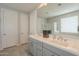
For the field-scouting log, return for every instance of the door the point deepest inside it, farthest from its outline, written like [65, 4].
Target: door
[9, 29]
[0, 32]
[23, 28]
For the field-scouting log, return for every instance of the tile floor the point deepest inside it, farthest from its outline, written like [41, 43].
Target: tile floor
[21, 50]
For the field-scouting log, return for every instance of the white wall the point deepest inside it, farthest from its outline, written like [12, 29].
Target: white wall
[33, 22]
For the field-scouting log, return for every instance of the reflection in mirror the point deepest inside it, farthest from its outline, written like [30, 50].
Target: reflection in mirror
[55, 27]
[69, 24]
[59, 18]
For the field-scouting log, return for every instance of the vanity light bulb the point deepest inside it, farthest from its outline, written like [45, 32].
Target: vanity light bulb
[42, 5]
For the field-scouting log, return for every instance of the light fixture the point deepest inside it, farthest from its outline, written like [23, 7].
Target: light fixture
[59, 4]
[42, 5]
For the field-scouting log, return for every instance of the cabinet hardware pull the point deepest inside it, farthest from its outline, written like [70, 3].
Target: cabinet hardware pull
[4, 34]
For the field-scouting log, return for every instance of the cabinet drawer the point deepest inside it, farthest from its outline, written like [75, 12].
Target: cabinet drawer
[58, 51]
[39, 52]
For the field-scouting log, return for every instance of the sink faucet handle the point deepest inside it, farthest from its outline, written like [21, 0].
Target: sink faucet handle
[65, 40]
[60, 38]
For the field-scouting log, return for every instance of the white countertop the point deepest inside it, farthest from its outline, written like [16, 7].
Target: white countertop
[60, 46]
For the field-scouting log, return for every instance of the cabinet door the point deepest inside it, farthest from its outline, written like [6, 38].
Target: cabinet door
[35, 47]
[9, 27]
[38, 51]
[46, 52]
[38, 48]
[31, 48]
[23, 28]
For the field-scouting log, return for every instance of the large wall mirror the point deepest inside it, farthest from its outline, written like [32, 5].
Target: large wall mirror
[59, 18]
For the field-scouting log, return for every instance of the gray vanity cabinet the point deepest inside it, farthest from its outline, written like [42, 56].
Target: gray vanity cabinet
[32, 47]
[39, 48]
[35, 47]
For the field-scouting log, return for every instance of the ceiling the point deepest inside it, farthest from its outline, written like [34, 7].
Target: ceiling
[26, 7]
[55, 9]
[52, 9]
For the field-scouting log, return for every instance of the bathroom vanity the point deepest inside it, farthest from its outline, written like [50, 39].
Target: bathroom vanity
[40, 46]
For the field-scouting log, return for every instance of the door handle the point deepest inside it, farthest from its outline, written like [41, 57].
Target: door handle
[22, 33]
[4, 34]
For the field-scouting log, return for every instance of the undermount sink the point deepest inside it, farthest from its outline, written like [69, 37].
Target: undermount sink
[59, 42]
[63, 42]
[66, 43]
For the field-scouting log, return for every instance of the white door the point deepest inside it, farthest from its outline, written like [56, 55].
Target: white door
[23, 28]
[9, 27]
[0, 32]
